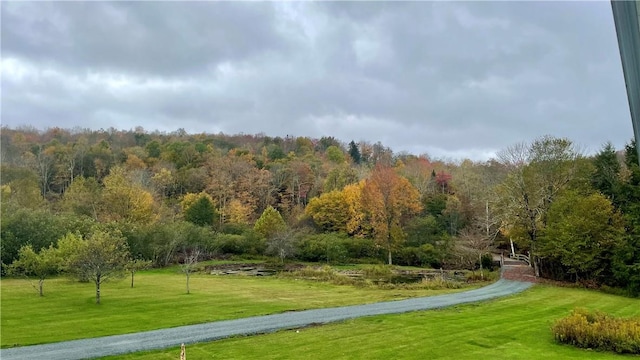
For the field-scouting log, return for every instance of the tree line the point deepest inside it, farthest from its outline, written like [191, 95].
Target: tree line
[169, 194]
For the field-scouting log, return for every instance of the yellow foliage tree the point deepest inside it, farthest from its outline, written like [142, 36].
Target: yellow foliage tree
[329, 211]
[356, 224]
[125, 200]
[238, 213]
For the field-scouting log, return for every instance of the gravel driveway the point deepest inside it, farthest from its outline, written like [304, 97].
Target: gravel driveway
[165, 338]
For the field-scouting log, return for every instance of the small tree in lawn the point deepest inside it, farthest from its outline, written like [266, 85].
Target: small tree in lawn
[134, 266]
[190, 263]
[41, 265]
[102, 258]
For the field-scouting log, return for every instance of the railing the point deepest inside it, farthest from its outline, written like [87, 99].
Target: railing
[521, 257]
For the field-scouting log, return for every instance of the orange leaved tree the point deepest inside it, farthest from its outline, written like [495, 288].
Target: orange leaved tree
[389, 201]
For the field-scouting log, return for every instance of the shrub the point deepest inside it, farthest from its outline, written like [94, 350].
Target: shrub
[323, 247]
[245, 244]
[235, 229]
[358, 248]
[423, 256]
[487, 262]
[597, 330]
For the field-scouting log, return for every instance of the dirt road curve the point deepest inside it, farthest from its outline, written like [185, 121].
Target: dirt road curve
[165, 338]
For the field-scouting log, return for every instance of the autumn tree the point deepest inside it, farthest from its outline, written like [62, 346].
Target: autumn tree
[419, 172]
[41, 265]
[298, 180]
[390, 201]
[164, 181]
[329, 211]
[235, 177]
[238, 212]
[356, 224]
[123, 199]
[102, 257]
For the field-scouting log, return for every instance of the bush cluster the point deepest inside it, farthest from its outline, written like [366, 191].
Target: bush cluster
[424, 255]
[599, 331]
[335, 248]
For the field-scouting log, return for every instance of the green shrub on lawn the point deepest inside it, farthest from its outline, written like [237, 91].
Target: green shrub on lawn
[600, 331]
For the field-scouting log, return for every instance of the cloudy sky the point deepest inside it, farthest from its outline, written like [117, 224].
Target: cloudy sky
[450, 79]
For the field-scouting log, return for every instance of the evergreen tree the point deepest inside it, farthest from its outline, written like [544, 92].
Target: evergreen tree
[606, 178]
[626, 261]
[354, 152]
[201, 212]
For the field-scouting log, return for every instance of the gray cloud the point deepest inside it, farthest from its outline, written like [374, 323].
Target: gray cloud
[460, 79]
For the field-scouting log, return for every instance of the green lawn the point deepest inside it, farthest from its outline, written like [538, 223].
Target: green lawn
[67, 311]
[516, 327]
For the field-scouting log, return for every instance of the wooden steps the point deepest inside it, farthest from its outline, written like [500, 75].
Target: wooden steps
[516, 270]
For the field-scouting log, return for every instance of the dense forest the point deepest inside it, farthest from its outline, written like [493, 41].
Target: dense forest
[167, 195]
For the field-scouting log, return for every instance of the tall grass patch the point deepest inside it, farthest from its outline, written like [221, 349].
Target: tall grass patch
[600, 331]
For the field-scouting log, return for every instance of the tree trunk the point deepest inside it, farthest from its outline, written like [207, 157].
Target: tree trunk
[481, 271]
[40, 284]
[187, 282]
[132, 273]
[487, 217]
[534, 261]
[390, 256]
[98, 289]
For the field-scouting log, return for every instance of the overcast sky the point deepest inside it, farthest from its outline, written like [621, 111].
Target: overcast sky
[450, 79]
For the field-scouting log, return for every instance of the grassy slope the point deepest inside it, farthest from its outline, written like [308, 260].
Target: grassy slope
[67, 311]
[516, 327]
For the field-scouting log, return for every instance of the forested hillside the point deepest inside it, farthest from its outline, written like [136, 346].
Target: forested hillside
[169, 194]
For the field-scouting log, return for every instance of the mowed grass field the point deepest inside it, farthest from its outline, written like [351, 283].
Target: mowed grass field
[159, 300]
[515, 327]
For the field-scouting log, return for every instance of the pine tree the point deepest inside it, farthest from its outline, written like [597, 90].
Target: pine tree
[354, 152]
[201, 212]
